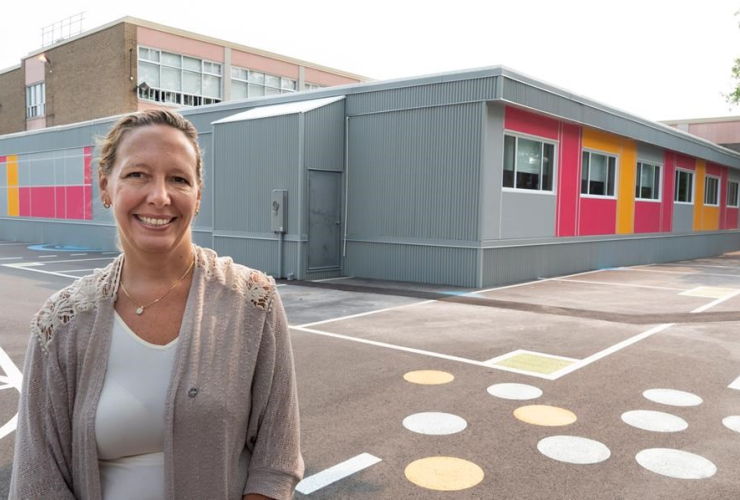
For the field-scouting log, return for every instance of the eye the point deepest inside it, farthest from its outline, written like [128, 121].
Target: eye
[134, 175]
[181, 180]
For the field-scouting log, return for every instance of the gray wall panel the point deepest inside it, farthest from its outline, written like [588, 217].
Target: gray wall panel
[74, 172]
[650, 153]
[42, 172]
[24, 174]
[3, 203]
[527, 215]
[204, 219]
[259, 254]
[324, 138]
[683, 218]
[415, 173]
[424, 264]
[492, 172]
[3, 174]
[254, 157]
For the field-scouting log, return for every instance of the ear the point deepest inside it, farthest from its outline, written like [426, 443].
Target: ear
[103, 185]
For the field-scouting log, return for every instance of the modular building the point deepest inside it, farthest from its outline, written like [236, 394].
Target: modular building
[471, 178]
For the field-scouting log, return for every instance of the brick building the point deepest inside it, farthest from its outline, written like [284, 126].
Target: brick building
[132, 64]
[724, 130]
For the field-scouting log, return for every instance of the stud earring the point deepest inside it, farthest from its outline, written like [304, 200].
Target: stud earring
[106, 204]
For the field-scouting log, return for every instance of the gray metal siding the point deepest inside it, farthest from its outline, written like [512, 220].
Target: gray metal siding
[259, 254]
[492, 168]
[415, 96]
[527, 215]
[204, 220]
[650, 153]
[683, 218]
[254, 157]
[415, 174]
[324, 138]
[424, 264]
[3, 202]
[61, 233]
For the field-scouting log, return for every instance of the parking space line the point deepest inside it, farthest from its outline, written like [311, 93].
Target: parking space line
[110, 253]
[14, 378]
[714, 303]
[363, 314]
[10, 258]
[697, 265]
[73, 260]
[12, 244]
[25, 267]
[672, 272]
[77, 254]
[78, 270]
[47, 256]
[332, 279]
[610, 350]
[735, 384]
[617, 284]
[337, 472]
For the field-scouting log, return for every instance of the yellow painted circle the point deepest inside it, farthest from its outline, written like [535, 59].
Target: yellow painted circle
[444, 473]
[549, 416]
[429, 377]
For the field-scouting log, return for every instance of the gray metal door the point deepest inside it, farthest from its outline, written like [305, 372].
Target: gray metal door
[324, 219]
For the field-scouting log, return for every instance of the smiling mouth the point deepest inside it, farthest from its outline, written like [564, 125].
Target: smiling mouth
[154, 222]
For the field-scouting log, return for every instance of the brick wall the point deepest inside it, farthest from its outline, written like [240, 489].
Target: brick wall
[89, 77]
[12, 102]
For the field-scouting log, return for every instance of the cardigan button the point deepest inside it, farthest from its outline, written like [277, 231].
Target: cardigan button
[193, 392]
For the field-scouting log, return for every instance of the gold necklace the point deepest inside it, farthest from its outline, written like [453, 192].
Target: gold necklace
[140, 308]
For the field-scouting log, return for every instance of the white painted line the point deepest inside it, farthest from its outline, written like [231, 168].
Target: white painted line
[9, 426]
[77, 254]
[25, 264]
[674, 272]
[78, 270]
[110, 253]
[333, 279]
[533, 282]
[718, 301]
[10, 258]
[47, 256]
[697, 265]
[337, 472]
[735, 385]
[524, 351]
[13, 377]
[364, 314]
[617, 284]
[40, 271]
[611, 350]
[7, 386]
[14, 244]
[76, 260]
[4, 380]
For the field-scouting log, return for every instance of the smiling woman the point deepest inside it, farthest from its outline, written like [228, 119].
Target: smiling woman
[195, 399]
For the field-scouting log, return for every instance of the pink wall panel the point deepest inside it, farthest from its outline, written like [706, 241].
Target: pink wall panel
[597, 216]
[24, 202]
[87, 215]
[530, 123]
[724, 174]
[75, 198]
[88, 165]
[2, 159]
[719, 132]
[35, 71]
[731, 219]
[669, 179]
[42, 202]
[647, 217]
[326, 79]
[179, 44]
[684, 161]
[568, 175]
[61, 202]
[266, 64]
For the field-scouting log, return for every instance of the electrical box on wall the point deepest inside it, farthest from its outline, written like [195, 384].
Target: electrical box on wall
[278, 210]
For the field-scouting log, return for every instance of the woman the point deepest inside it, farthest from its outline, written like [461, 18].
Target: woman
[168, 374]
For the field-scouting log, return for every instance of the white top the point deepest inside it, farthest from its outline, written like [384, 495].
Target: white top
[129, 424]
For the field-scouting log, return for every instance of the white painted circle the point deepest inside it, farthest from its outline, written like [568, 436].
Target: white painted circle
[672, 397]
[655, 421]
[519, 392]
[434, 423]
[732, 423]
[676, 463]
[573, 449]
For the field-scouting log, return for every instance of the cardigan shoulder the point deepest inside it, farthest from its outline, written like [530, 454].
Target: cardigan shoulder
[254, 286]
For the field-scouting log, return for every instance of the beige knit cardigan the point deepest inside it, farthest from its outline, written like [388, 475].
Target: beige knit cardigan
[231, 415]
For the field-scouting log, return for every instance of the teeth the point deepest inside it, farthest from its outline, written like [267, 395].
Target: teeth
[154, 222]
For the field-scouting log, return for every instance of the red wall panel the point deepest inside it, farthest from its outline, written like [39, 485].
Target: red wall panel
[568, 175]
[42, 202]
[61, 202]
[669, 179]
[731, 219]
[530, 123]
[87, 215]
[75, 202]
[597, 216]
[647, 217]
[24, 202]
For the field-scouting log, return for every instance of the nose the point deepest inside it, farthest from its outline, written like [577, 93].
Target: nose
[158, 194]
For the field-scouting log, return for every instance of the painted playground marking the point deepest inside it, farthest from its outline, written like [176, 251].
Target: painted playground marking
[654, 421]
[672, 397]
[544, 415]
[710, 292]
[517, 392]
[616, 284]
[429, 377]
[530, 362]
[444, 473]
[735, 384]
[574, 450]
[335, 473]
[435, 423]
[14, 378]
[732, 423]
[676, 463]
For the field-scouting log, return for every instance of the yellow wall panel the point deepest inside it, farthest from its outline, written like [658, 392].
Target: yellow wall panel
[626, 169]
[701, 168]
[13, 202]
[711, 219]
[12, 164]
[601, 141]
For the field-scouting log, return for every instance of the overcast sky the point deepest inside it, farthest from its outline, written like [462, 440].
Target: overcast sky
[658, 59]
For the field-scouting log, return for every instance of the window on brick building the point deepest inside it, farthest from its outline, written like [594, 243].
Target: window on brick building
[249, 83]
[36, 100]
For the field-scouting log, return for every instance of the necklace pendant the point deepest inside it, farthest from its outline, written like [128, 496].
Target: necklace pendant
[140, 311]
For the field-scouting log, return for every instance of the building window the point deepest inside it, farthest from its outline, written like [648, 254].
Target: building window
[311, 86]
[732, 198]
[35, 100]
[684, 186]
[528, 164]
[176, 79]
[647, 185]
[248, 83]
[598, 174]
[711, 191]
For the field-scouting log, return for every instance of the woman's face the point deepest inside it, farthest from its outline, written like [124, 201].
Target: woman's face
[153, 190]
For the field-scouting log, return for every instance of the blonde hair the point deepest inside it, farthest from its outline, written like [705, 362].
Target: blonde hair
[110, 143]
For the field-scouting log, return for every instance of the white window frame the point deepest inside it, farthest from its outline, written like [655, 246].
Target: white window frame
[543, 141]
[283, 87]
[179, 97]
[36, 100]
[638, 180]
[312, 86]
[737, 194]
[717, 190]
[692, 191]
[588, 179]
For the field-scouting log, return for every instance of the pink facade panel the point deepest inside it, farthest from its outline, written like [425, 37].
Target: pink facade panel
[568, 175]
[36, 123]
[669, 179]
[647, 217]
[684, 161]
[42, 202]
[24, 202]
[75, 198]
[731, 218]
[87, 209]
[61, 202]
[144, 105]
[35, 71]
[264, 64]
[326, 79]
[2, 159]
[597, 216]
[720, 132]
[88, 165]
[179, 44]
[725, 174]
[530, 123]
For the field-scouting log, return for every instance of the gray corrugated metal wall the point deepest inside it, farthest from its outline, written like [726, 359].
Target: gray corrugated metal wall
[255, 253]
[648, 152]
[527, 215]
[324, 143]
